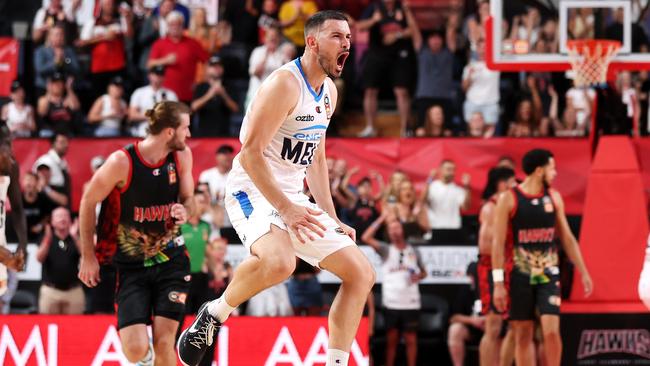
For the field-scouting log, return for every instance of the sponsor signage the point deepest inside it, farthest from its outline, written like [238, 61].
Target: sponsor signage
[606, 339]
[37, 340]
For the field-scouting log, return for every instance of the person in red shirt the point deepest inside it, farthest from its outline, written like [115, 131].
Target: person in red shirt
[180, 55]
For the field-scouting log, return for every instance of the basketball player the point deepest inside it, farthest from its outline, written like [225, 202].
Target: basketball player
[500, 179]
[283, 139]
[10, 190]
[140, 187]
[534, 213]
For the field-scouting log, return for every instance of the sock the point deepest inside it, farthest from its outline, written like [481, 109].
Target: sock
[220, 309]
[148, 359]
[336, 357]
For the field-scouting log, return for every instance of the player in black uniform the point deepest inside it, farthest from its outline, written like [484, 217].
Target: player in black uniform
[532, 218]
[146, 190]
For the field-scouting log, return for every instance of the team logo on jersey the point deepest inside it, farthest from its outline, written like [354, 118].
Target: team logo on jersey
[156, 172]
[317, 109]
[328, 107]
[171, 171]
[548, 204]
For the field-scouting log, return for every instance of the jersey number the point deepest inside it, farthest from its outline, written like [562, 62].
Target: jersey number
[301, 153]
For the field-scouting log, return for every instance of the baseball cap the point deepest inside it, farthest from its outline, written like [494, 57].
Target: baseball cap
[158, 70]
[15, 85]
[56, 76]
[215, 60]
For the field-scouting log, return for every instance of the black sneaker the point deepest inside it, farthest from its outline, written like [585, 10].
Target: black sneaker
[195, 340]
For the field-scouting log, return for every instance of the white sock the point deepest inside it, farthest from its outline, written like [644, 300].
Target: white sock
[336, 357]
[220, 309]
[148, 359]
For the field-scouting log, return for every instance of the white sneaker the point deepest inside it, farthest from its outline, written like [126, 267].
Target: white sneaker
[369, 131]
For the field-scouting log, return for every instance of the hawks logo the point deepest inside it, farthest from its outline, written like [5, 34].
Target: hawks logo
[171, 171]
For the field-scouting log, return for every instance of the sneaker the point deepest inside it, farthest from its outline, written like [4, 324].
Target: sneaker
[194, 341]
[367, 132]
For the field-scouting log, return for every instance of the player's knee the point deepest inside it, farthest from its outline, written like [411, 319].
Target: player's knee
[455, 334]
[135, 349]
[523, 333]
[279, 268]
[492, 328]
[163, 345]
[552, 335]
[410, 338]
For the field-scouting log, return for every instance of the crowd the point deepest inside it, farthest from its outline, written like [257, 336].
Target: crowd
[97, 68]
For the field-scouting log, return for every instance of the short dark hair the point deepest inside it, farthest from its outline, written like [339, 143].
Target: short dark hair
[225, 149]
[496, 175]
[317, 20]
[364, 180]
[56, 136]
[166, 114]
[534, 159]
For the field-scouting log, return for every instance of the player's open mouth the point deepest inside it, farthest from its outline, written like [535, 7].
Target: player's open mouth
[340, 61]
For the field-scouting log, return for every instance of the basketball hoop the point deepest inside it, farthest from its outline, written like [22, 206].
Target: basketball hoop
[590, 60]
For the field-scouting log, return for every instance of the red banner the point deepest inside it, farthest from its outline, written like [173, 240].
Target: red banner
[414, 156]
[35, 340]
[8, 64]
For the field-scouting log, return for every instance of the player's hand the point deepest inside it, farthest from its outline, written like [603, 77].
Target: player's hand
[302, 221]
[587, 284]
[349, 231]
[500, 297]
[17, 261]
[89, 271]
[179, 213]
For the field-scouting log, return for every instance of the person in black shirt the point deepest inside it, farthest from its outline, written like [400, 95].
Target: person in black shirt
[389, 57]
[61, 291]
[534, 212]
[364, 212]
[212, 103]
[37, 204]
[465, 324]
[147, 192]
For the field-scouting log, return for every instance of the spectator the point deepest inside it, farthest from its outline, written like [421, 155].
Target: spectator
[216, 179]
[264, 60]
[219, 270]
[481, 86]
[402, 270]
[18, 115]
[549, 35]
[389, 56]
[54, 160]
[568, 125]
[364, 210]
[582, 101]
[434, 124]
[44, 175]
[475, 24]
[201, 31]
[58, 109]
[37, 204]
[293, 15]
[180, 55]
[212, 102]
[10, 291]
[153, 27]
[196, 233]
[145, 98]
[109, 110]
[49, 16]
[476, 126]
[466, 325]
[105, 36]
[410, 213]
[445, 200]
[54, 56]
[526, 27]
[268, 19]
[340, 187]
[305, 292]
[435, 73]
[392, 191]
[243, 16]
[615, 31]
[629, 97]
[273, 301]
[528, 121]
[61, 291]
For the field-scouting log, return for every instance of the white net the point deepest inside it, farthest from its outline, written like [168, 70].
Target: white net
[590, 60]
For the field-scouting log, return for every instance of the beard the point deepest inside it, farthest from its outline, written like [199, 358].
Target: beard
[175, 144]
[326, 66]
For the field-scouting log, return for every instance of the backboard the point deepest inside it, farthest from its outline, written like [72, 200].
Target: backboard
[532, 34]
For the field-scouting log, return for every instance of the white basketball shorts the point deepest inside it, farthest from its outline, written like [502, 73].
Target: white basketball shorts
[252, 216]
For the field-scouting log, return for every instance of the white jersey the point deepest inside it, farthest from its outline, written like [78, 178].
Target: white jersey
[398, 291]
[4, 187]
[293, 146]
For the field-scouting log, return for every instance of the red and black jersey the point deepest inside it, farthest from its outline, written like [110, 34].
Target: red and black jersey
[532, 235]
[135, 227]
